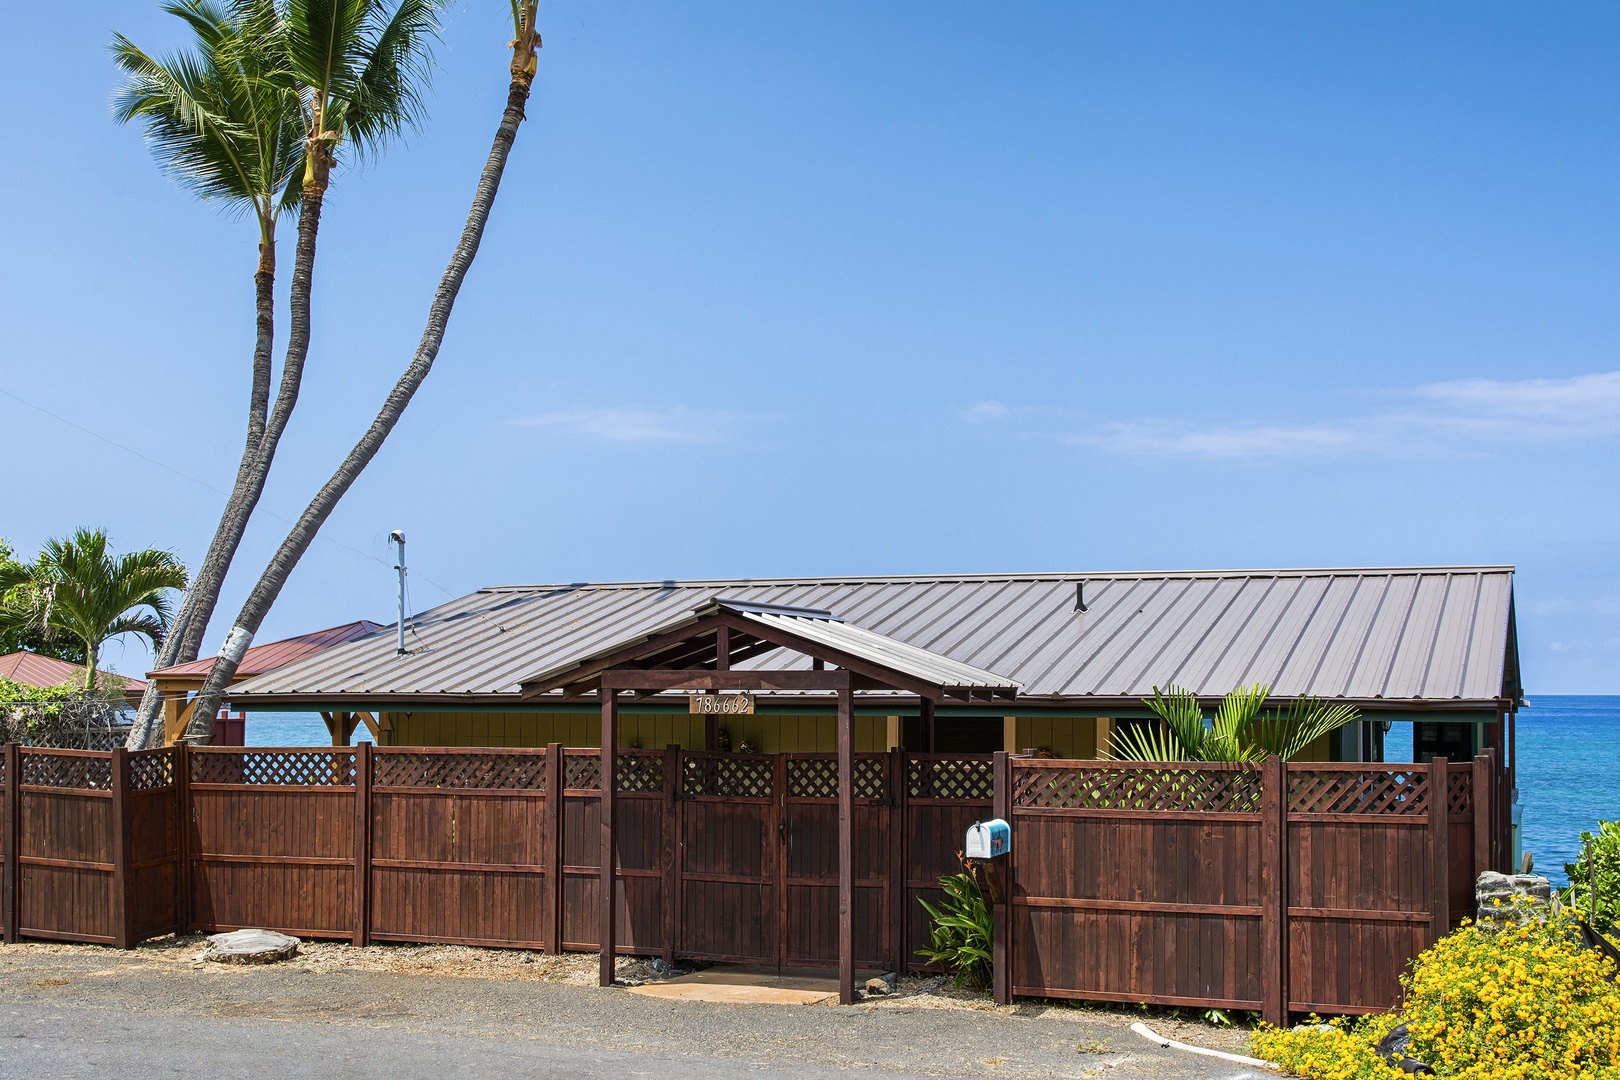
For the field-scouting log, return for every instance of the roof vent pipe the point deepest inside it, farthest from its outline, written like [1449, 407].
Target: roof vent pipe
[1079, 597]
[398, 537]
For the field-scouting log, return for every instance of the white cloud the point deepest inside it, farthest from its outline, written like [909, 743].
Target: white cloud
[1225, 442]
[633, 424]
[1442, 417]
[988, 411]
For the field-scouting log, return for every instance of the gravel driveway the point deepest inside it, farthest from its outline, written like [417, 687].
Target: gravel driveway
[90, 1012]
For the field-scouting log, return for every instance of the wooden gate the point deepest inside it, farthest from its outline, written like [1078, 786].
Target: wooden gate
[729, 864]
[809, 810]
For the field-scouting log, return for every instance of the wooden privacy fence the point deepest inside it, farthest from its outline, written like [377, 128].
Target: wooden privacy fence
[1270, 887]
[720, 856]
[1276, 887]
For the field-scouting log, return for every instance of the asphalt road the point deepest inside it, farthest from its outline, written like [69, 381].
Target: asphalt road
[98, 1013]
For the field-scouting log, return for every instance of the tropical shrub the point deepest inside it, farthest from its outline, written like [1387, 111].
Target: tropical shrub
[1521, 1003]
[1606, 859]
[1239, 731]
[959, 934]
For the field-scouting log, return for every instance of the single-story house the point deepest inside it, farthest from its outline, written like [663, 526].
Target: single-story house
[180, 683]
[43, 672]
[513, 665]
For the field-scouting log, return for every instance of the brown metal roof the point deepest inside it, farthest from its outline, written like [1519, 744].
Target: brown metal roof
[275, 654]
[31, 669]
[1382, 636]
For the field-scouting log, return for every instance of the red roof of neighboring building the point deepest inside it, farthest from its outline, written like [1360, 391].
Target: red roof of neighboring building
[32, 669]
[272, 655]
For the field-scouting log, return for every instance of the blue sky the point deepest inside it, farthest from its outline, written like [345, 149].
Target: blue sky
[784, 289]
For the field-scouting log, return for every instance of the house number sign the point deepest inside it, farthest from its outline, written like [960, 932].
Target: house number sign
[723, 704]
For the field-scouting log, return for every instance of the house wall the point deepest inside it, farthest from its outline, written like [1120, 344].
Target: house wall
[769, 733]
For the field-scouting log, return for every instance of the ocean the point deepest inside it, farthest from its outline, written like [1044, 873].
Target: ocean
[1569, 767]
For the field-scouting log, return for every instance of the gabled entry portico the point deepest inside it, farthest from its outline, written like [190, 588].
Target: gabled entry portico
[725, 645]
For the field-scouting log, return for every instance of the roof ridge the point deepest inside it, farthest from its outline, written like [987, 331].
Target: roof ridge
[1089, 575]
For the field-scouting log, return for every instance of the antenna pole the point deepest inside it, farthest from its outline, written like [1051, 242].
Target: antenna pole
[399, 538]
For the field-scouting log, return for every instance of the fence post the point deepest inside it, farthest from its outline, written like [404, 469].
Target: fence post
[1479, 798]
[1000, 923]
[1439, 885]
[552, 849]
[8, 813]
[182, 868]
[362, 844]
[897, 858]
[120, 849]
[1274, 891]
[671, 822]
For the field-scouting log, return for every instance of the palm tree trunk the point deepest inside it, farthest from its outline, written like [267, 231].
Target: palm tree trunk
[184, 639]
[320, 508]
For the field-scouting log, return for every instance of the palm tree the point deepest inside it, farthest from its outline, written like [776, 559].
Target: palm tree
[257, 115]
[220, 123]
[90, 595]
[525, 48]
[1239, 731]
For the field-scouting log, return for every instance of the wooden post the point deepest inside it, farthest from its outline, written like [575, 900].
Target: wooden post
[362, 844]
[120, 849]
[778, 853]
[1274, 891]
[8, 881]
[925, 709]
[182, 868]
[609, 761]
[1480, 799]
[1439, 886]
[846, 846]
[897, 859]
[1000, 922]
[672, 836]
[552, 850]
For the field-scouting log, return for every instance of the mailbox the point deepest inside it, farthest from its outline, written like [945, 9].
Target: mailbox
[987, 839]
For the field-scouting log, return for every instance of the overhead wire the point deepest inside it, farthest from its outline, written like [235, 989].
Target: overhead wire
[203, 483]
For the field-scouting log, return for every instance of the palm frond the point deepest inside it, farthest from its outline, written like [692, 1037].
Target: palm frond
[387, 97]
[215, 120]
[1287, 733]
[1146, 743]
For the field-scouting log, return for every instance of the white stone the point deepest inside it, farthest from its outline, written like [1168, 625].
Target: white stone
[250, 947]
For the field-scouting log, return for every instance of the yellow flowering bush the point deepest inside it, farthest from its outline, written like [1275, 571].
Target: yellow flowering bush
[1522, 1003]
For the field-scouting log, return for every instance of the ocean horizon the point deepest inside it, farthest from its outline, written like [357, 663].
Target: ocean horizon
[1569, 761]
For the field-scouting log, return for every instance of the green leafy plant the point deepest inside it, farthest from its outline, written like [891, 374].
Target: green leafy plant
[959, 935]
[1603, 871]
[1241, 729]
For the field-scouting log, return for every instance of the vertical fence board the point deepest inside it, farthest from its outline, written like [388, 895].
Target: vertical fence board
[8, 844]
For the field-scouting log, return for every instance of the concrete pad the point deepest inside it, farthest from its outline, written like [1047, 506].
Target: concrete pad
[748, 985]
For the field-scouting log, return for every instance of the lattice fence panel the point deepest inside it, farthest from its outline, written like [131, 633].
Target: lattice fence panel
[1460, 793]
[148, 772]
[487, 772]
[640, 772]
[812, 778]
[60, 771]
[582, 772]
[950, 778]
[1147, 789]
[871, 778]
[288, 768]
[1369, 791]
[729, 777]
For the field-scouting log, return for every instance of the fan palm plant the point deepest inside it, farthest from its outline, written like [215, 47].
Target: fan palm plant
[525, 48]
[84, 592]
[1239, 731]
